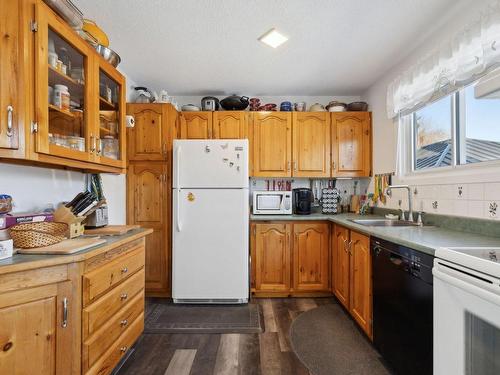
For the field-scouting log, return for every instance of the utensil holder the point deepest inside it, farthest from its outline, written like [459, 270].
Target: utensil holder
[75, 226]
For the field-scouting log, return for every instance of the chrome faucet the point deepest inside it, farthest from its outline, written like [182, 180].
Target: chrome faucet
[410, 202]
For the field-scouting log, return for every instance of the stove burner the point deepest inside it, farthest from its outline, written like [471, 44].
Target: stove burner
[493, 256]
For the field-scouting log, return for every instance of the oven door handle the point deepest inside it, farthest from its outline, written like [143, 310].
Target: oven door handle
[481, 286]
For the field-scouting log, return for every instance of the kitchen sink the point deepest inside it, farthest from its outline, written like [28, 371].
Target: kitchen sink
[384, 223]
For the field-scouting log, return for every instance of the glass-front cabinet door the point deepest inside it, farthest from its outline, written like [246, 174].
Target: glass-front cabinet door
[111, 121]
[64, 71]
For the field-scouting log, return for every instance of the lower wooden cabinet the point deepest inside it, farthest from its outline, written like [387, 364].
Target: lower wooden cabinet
[290, 258]
[351, 275]
[35, 337]
[50, 324]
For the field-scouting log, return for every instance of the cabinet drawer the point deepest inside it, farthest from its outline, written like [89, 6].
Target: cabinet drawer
[98, 313]
[106, 277]
[100, 341]
[112, 356]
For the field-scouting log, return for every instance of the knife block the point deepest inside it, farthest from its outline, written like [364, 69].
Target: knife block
[75, 227]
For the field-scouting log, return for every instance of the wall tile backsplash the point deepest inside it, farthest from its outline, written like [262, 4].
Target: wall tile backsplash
[469, 200]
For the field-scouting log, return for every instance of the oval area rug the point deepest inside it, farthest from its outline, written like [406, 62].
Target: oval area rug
[327, 341]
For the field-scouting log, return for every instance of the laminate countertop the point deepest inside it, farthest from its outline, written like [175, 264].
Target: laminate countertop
[425, 239]
[22, 262]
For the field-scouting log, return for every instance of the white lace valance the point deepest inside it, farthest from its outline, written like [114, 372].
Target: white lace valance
[468, 56]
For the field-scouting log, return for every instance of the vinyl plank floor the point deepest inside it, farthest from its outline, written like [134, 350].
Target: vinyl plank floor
[267, 353]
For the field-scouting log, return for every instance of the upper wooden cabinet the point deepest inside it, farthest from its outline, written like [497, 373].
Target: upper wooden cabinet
[61, 103]
[311, 144]
[230, 125]
[351, 274]
[66, 126]
[195, 125]
[11, 112]
[214, 125]
[272, 144]
[311, 252]
[151, 137]
[351, 144]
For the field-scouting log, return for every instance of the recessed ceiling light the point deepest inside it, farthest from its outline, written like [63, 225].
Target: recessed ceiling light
[273, 38]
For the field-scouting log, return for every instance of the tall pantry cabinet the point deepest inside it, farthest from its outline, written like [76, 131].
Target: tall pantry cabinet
[149, 183]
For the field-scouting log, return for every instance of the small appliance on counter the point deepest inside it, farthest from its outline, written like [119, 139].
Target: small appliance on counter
[302, 199]
[272, 202]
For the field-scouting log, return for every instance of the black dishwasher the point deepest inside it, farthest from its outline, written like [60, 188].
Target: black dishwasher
[402, 307]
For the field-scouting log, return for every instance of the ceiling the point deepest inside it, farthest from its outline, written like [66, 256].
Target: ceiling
[193, 47]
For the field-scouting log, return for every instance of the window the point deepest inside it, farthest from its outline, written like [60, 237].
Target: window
[455, 130]
[432, 129]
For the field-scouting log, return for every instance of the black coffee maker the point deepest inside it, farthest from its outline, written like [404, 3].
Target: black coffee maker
[302, 199]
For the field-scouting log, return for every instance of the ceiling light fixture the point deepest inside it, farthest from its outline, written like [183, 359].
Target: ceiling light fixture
[273, 38]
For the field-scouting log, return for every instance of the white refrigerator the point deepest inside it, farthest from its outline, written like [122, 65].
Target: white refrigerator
[210, 257]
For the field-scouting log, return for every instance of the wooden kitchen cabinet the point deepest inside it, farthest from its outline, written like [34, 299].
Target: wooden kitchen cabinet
[311, 256]
[230, 124]
[311, 144]
[291, 258]
[36, 331]
[340, 264]
[11, 47]
[195, 125]
[351, 275]
[351, 144]
[151, 137]
[272, 144]
[148, 205]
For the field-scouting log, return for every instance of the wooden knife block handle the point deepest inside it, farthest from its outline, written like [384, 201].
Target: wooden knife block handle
[75, 227]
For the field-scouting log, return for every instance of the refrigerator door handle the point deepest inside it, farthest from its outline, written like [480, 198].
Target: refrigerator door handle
[178, 173]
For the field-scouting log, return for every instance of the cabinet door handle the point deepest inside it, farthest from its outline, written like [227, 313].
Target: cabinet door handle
[333, 165]
[350, 247]
[345, 245]
[164, 148]
[10, 113]
[99, 146]
[124, 270]
[124, 322]
[124, 296]
[64, 323]
[295, 166]
[288, 166]
[92, 143]
[123, 349]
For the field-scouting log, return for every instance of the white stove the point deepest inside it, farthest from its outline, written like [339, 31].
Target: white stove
[481, 259]
[467, 311]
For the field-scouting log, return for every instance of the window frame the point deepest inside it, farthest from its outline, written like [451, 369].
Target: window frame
[486, 171]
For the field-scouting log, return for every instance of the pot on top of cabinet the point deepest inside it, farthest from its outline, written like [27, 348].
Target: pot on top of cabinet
[235, 103]
[210, 103]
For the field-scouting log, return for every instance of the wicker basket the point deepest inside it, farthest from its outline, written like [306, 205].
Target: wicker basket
[30, 235]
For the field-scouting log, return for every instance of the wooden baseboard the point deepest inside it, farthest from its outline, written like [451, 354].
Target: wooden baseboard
[266, 294]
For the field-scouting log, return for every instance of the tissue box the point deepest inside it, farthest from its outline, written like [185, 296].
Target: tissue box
[6, 248]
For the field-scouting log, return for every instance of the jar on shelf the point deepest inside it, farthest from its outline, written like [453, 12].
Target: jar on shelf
[110, 147]
[62, 97]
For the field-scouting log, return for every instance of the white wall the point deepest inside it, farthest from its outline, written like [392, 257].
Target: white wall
[476, 196]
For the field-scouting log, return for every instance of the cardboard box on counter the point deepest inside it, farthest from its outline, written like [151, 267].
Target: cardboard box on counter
[9, 220]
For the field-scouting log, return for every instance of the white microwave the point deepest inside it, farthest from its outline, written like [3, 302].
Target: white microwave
[272, 202]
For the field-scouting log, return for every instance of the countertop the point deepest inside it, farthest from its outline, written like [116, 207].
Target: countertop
[22, 262]
[425, 239]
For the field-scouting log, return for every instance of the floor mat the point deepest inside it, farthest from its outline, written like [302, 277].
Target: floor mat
[174, 318]
[326, 340]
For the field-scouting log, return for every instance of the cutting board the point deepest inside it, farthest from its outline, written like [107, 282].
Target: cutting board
[111, 230]
[65, 247]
